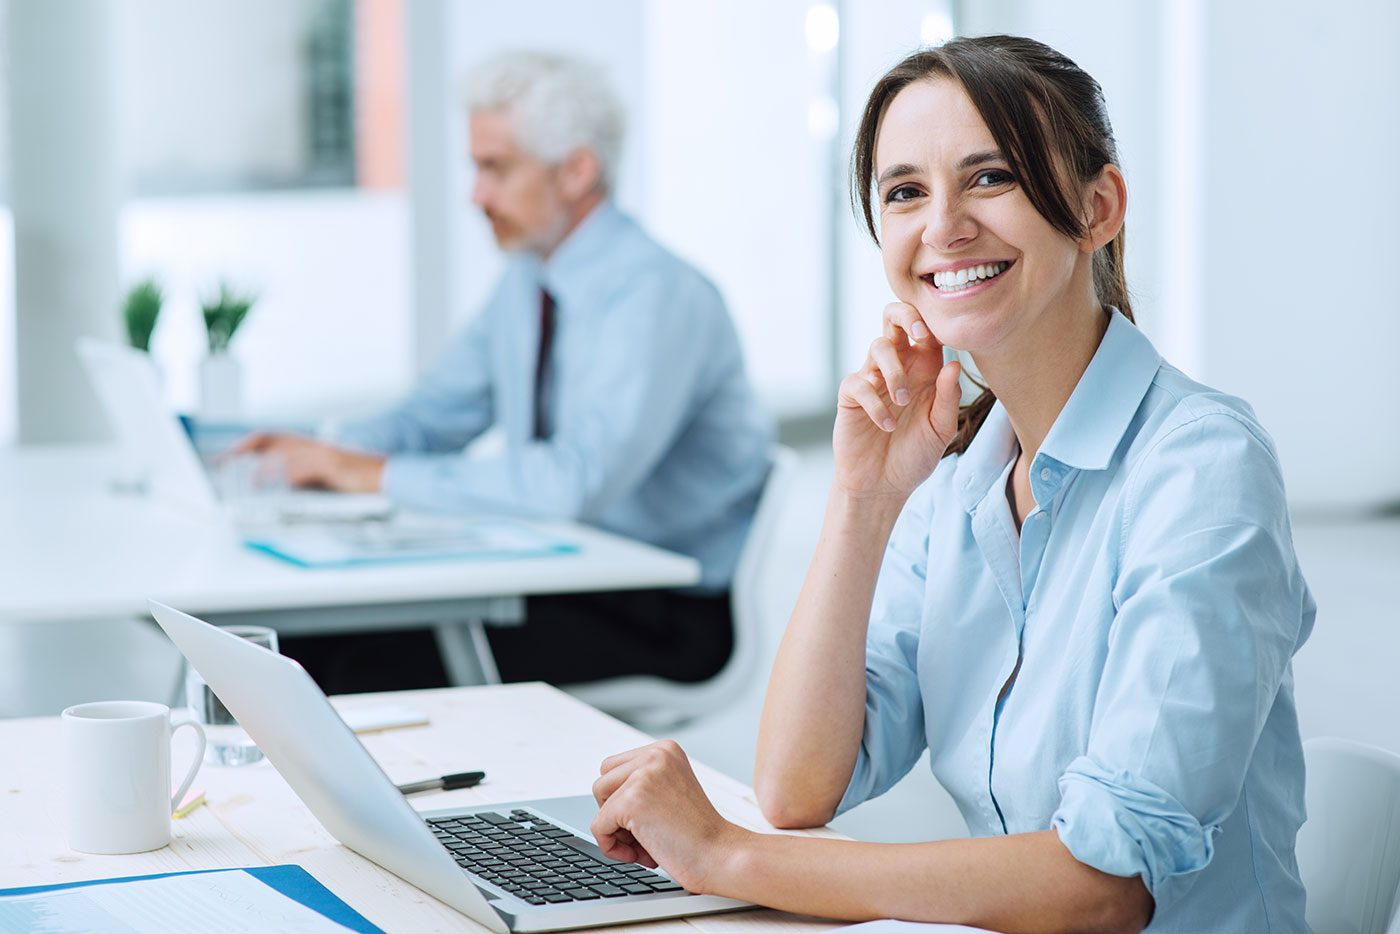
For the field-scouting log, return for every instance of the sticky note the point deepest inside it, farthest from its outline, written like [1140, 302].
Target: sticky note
[193, 799]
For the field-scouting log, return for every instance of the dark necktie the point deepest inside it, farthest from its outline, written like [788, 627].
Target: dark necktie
[543, 368]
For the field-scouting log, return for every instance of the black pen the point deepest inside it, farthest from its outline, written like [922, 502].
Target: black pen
[445, 783]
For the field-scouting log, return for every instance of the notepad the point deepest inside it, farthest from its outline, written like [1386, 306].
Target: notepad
[265, 898]
[407, 538]
[378, 717]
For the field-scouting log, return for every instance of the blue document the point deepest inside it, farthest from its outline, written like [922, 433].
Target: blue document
[65, 910]
[406, 537]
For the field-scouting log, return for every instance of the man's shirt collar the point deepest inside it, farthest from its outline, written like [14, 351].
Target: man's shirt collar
[567, 271]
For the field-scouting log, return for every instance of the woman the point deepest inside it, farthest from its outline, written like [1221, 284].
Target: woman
[1088, 600]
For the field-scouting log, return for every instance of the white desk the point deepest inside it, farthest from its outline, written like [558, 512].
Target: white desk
[72, 550]
[254, 819]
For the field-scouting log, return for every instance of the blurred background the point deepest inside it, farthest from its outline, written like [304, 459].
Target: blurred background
[313, 151]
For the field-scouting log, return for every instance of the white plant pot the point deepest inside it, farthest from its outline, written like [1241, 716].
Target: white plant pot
[220, 388]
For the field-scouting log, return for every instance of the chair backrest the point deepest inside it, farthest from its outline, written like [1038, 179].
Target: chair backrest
[1349, 848]
[651, 702]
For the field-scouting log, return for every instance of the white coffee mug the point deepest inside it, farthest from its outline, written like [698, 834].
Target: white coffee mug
[117, 766]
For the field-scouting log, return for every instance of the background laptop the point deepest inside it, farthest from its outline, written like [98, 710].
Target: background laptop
[519, 866]
[156, 445]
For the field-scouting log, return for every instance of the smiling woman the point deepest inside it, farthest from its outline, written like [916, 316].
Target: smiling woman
[1047, 164]
[1088, 600]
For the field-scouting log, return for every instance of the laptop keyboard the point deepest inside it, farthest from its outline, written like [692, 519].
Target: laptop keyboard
[535, 861]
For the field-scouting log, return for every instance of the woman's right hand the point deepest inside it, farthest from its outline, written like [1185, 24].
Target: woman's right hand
[897, 414]
[652, 811]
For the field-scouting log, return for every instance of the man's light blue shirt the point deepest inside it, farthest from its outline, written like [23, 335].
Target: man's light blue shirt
[657, 433]
[1155, 603]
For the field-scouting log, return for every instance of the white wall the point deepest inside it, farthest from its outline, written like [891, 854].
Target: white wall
[330, 332]
[1300, 239]
[7, 328]
[739, 182]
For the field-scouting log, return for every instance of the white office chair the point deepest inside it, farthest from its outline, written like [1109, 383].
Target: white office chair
[654, 703]
[1349, 849]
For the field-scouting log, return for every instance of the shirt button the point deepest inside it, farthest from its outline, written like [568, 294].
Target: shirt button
[1045, 473]
[1040, 515]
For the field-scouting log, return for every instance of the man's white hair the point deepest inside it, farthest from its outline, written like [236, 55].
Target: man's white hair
[559, 103]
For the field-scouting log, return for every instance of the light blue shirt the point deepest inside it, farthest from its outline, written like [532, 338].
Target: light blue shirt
[657, 434]
[1157, 603]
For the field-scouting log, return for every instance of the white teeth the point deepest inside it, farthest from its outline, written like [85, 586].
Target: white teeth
[967, 276]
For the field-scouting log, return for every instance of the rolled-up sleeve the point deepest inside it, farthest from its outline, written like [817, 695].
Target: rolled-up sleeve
[1210, 608]
[894, 720]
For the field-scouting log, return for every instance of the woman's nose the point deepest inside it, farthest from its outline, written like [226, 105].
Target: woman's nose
[947, 225]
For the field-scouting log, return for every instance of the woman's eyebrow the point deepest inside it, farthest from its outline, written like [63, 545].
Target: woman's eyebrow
[904, 169]
[898, 170]
[980, 158]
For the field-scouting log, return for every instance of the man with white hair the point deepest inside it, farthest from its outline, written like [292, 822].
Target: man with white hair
[615, 374]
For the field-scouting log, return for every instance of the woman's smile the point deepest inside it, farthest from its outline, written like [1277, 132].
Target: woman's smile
[965, 279]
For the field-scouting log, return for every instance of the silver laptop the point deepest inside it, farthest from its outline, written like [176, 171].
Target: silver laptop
[156, 446]
[476, 859]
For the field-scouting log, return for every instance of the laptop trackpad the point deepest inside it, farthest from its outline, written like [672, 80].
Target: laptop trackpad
[576, 812]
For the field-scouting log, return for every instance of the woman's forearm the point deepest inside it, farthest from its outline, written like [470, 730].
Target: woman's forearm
[814, 711]
[1022, 882]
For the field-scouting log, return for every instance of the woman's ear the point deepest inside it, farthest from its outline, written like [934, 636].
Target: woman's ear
[581, 173]
[1107, 206]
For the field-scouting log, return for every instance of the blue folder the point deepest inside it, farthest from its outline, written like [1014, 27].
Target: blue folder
[407, 539]
[292, 881]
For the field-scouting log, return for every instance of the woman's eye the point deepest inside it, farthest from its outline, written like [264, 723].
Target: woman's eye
[902, 193]
[991, 178]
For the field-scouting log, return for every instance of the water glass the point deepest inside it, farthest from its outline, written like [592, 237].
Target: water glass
[228, 743]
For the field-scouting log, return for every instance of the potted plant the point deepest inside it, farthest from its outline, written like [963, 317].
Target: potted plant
[220, 378]
[140, 311]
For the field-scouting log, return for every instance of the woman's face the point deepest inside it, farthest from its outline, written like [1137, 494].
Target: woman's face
[961, 241]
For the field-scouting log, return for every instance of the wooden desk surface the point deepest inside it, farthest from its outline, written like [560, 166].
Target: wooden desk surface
[531, 740]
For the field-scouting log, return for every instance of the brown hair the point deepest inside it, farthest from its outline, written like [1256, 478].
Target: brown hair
[1042, 109]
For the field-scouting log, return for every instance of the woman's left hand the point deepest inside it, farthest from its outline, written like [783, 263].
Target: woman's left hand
[653, 811]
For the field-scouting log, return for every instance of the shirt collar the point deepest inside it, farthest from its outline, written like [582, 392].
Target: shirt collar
[1088, 429]
[1092, 423]
[985, 458]
[569, 267]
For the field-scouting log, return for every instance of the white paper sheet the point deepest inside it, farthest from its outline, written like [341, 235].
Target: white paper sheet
[912, 927]
[231, 902]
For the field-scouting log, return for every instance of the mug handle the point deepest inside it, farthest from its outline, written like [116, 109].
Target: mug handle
[194, 766]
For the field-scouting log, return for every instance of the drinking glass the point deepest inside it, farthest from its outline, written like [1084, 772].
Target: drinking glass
[228, 743]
